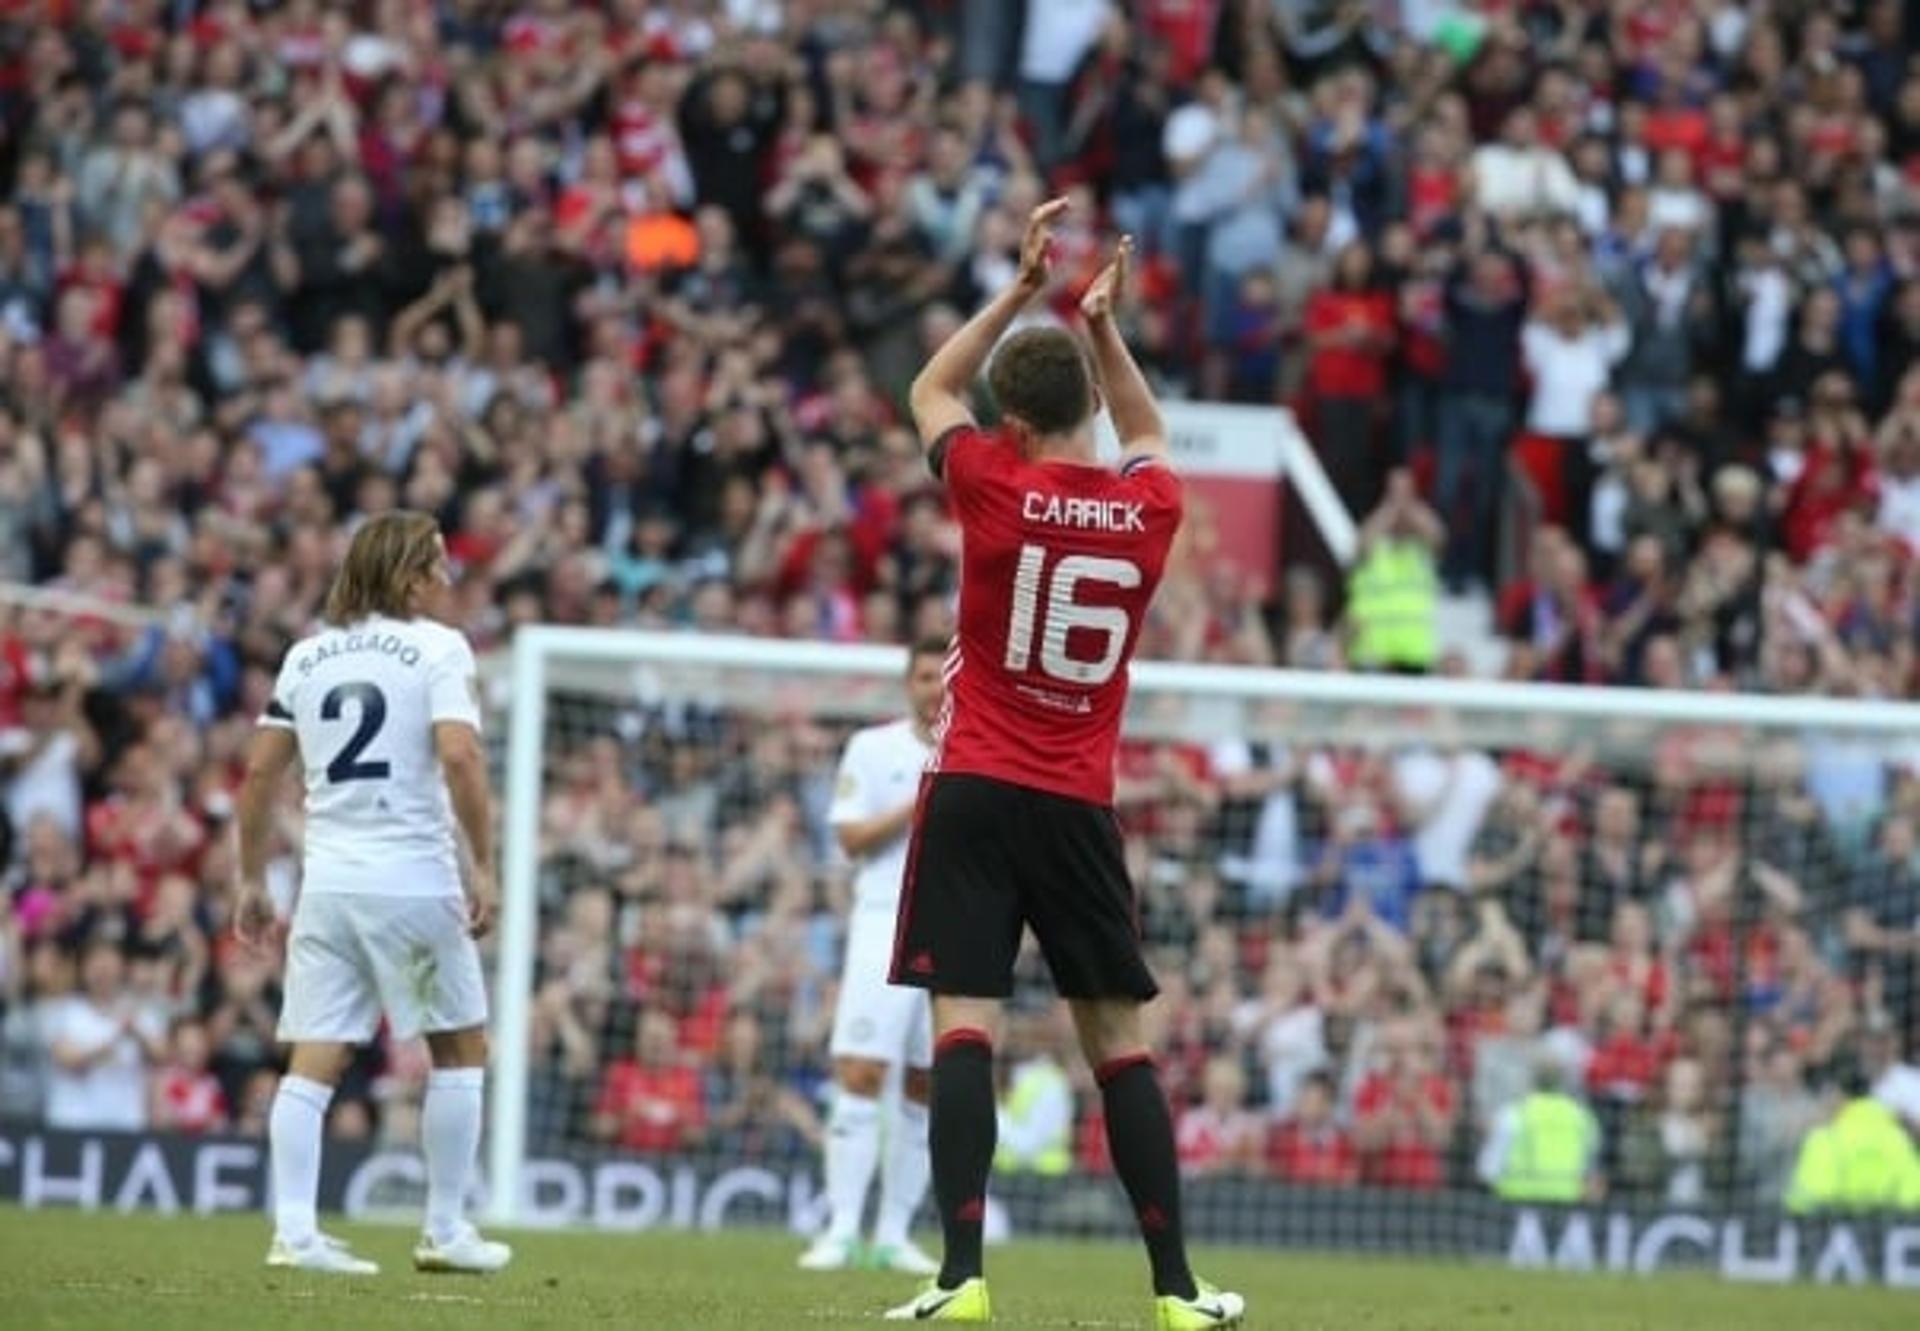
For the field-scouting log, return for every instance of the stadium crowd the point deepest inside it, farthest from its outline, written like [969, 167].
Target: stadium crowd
[629, 295]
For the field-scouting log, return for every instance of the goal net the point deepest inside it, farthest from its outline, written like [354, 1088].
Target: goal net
[1583, 977]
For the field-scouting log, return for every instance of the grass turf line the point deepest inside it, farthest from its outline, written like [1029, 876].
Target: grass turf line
[102, 1272]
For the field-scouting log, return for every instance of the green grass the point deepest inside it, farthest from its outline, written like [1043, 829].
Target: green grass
[67, 1269]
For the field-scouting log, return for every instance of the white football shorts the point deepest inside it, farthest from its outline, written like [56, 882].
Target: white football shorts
[876, 1020]
[353, 956]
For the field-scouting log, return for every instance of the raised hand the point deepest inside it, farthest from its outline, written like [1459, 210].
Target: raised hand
[1109, 286]
[1036, 246]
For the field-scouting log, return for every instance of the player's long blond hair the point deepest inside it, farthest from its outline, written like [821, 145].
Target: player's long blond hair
[389, 555]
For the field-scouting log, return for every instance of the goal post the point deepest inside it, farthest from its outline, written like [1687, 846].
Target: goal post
[602, 662]
[1707, 1002]
[519, 921]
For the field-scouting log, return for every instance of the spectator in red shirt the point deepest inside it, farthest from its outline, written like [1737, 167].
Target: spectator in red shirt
[1220, 1135]
[94, 271]
[1403, 1112]
[1838, 474]
[1724, 950]
[1627, 1058]
[83, 365]
[1632, 964]
[1186, 29]
[1553, 618]
[653, 1102]
[678, 973]
[143, 823]
[1309, 1146]
[1723, 153]
[1674, 122]
[187, 1097]
[1351, 333]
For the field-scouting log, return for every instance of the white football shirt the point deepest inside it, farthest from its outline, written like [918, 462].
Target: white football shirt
[362, 702]
[879, 772]
[111, 1094]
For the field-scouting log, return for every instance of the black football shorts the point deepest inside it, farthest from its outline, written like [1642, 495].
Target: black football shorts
[987, 857]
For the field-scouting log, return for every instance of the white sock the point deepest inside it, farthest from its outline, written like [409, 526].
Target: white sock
[853, 1153]
[293, 1141]
[450, 1138]
[904, 1174]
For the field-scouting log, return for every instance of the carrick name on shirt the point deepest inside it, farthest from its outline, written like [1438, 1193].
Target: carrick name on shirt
[1087, 514]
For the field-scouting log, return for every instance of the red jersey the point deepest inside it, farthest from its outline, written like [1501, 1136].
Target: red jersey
[1625, 1066]
[1184, 28]
[192, 1101]
[1406, 1159]
[1349, 371]
[1205, 1138]
[1324, 1156]
[1058, 563]
[654, 1110]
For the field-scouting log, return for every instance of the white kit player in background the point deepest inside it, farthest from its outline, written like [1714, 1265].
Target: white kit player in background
[879, 1031]
[382, 710]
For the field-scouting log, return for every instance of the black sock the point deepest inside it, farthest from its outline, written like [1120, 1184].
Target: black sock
[961, 1134]
[1140, 1137]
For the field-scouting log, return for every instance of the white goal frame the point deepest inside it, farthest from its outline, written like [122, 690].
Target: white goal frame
[536, 649]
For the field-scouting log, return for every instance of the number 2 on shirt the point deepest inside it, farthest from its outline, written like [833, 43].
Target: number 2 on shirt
[1062, 614]
[346, 765]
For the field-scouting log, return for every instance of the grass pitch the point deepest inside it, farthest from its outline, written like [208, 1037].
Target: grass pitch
[82, 1272]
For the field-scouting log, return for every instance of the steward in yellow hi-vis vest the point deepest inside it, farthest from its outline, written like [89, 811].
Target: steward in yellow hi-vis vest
[1036, 1120]
[1393, 594]
[1543, 1148]
[1861, 1159]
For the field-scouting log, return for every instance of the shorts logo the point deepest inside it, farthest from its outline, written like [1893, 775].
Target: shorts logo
[423, 970]
[921, 963]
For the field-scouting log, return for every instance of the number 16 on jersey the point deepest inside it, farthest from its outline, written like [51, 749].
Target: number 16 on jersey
[1057, 614]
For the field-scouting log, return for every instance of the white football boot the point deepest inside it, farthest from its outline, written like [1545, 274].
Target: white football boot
[321, 1253]
[466, 1253]
[830, 1254]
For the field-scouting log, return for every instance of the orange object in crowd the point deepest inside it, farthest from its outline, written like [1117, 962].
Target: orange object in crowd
[661, 240]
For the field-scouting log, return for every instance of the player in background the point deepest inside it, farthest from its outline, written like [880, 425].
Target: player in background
[1060, 556]
[878, 1027]
[382, 709]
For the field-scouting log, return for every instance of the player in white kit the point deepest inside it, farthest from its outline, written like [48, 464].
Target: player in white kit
[877, 1027]
[382, 710]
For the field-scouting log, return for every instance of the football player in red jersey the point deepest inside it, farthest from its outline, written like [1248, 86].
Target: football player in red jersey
[1060, 556]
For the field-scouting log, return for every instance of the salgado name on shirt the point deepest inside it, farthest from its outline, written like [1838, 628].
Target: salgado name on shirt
[387, 644]
[1091, 514]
